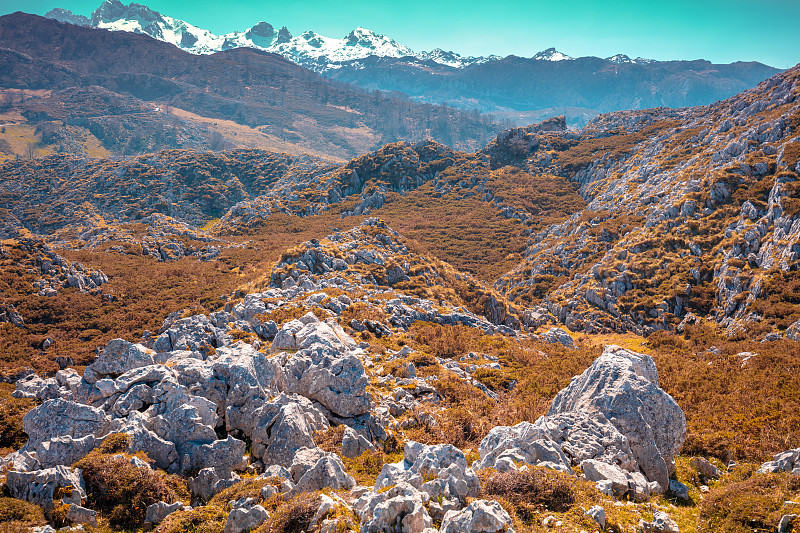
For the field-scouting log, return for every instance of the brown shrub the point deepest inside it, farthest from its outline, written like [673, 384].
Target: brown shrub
[12, 410]
[19, 515]
[291, 516]
[248, 488]
[124, 491]
[531, 490]
[748, 503]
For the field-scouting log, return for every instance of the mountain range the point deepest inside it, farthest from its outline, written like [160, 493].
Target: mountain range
[132, 93]
[518, 89]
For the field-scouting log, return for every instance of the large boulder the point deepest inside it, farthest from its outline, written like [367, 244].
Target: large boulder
[284, 426]
[623, 386]
[327, 472]
[337, 382]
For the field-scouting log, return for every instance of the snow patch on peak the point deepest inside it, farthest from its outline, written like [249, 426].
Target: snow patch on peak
[619, 59]
[551, 54]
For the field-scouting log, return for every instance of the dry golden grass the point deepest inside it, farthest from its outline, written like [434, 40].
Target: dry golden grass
[241, 136]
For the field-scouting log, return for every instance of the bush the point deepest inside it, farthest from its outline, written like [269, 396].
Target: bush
[115, 443]
[19, 515]
[291, 516]
[11, 412]
[206, 519]
[124, 491]
[530, 491]
[749, 502]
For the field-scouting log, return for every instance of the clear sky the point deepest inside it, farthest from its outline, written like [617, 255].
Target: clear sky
[718, 30]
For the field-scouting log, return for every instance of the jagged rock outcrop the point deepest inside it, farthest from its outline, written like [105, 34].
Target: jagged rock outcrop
[613, 414]
[652, 191]
[623, 386]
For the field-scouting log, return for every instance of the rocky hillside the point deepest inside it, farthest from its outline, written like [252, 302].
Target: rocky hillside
[683, 215]
[241, 97]
[690, 214]
[350, 391]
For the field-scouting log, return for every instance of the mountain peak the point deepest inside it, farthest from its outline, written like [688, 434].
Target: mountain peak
[620, 59]
[551, 54]
[65, 15]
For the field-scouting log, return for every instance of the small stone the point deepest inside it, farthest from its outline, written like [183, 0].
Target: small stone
[598, 514]
[81, 515]
[705, 468]
[679, 490]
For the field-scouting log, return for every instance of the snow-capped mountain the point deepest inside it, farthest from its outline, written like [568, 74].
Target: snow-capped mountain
[551, 54]
[621, 59]
[309, 49]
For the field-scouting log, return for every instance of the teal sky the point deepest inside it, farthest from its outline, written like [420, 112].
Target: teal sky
[718, 30]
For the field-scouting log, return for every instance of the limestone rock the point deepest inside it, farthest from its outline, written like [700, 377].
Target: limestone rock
[788, 461]
[680, 490]
[304, 460]
[661, 523]
[327, 472]
[598, 471]
[786, 523]
[244, 519]
[81, 515]
[40, 486]
[118, 357]
[401, 509]
[209, 481]
[58, 417]
[283, 427]
[353, 444]
[157, 512]
[705, 468]
[337, 382]
[623, 386]
[34, 387]
[558, 336]
[440, 471]
[558, 442]
[598, 514]
[480, 516]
